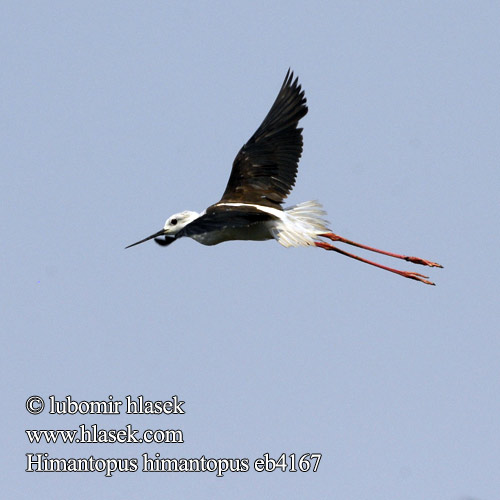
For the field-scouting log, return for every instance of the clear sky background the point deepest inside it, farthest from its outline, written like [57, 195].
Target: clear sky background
[116, 115]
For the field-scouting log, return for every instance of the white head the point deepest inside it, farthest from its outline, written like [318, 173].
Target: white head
[178, 221]
[172, 226]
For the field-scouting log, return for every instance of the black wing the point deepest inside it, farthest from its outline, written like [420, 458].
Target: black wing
[265, 168]
[165, 240]
[223, 217]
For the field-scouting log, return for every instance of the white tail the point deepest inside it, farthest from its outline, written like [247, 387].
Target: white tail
[301, 225]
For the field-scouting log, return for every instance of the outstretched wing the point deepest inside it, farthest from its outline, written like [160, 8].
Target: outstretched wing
[265, 168]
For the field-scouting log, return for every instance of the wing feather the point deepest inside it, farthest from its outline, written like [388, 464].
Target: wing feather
[265, 168]
[218, 218]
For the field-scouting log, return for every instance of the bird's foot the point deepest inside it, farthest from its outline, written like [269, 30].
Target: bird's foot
[417, 277]
[422, 262]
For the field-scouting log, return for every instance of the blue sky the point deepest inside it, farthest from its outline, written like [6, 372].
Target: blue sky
[116, 115]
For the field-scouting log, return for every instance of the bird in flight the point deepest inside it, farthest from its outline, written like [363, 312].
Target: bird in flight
[262, 176]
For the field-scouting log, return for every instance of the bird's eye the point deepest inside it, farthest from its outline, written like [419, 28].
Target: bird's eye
[173, 222]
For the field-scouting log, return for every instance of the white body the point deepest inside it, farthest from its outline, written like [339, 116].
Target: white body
[295, 226]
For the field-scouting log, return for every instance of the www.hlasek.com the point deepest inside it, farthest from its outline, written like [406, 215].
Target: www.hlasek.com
[40, 462]
[95, 435]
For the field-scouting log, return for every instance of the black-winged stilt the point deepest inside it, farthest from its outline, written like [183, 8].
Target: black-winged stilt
[263, 175]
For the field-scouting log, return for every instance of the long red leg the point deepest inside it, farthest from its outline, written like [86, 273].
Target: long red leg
[406, 274]
[415, 260]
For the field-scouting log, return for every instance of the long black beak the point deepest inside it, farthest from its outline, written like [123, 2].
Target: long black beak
[159, 233]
